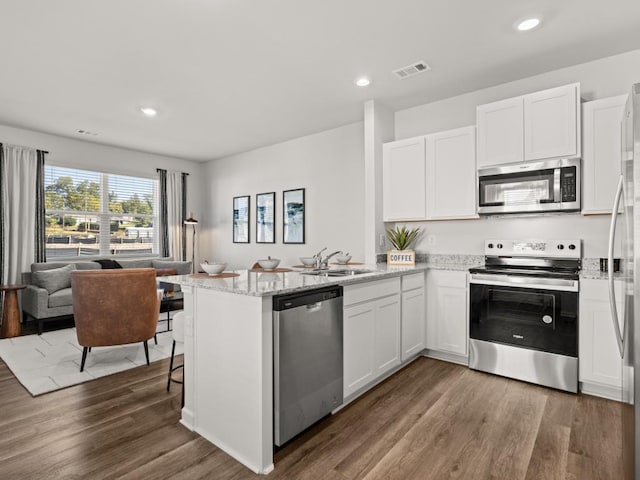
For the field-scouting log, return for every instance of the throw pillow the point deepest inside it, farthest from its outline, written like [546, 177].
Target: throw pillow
[108, 264]
[181, 268]
[54, 279]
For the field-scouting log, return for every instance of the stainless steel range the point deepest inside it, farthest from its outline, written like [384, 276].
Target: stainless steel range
[523, 311]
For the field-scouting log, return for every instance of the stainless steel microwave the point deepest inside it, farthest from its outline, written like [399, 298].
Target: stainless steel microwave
[539, 186]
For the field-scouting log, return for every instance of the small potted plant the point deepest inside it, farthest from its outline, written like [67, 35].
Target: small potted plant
[402, 238]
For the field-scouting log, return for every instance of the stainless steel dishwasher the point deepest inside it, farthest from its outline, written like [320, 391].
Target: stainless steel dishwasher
[307, 336]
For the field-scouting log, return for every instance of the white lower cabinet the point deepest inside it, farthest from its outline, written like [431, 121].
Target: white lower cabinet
[599, 359]
[371, 332]
[447, 319]
[413, 314]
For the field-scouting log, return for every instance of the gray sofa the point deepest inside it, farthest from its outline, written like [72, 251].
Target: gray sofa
[48, 295]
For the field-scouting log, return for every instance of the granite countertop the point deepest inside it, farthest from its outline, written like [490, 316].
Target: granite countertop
[272, 283]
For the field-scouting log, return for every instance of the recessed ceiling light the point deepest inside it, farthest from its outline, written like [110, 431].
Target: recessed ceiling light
[363, 82]
[148, 111]
[528, 24]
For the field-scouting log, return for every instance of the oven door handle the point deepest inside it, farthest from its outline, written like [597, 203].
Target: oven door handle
[556, 284]
[612, 289]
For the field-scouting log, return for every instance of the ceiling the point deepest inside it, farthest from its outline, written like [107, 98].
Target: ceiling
[232, 75]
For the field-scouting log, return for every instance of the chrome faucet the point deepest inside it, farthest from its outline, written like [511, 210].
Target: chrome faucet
[324, 263]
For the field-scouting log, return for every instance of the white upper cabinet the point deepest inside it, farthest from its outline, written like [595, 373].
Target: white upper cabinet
[552, 123]
[536, 126]
[451, 174]
[404, 180]
[601, 147]
[431, 177]
[500, 132]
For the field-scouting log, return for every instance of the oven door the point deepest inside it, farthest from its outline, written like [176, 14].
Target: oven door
[533, 313]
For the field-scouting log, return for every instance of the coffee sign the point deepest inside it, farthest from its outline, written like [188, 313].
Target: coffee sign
[401, 257]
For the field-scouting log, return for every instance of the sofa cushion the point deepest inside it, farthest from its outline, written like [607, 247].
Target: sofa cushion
[54, 279]
[181, 268]
[108, 263]
[40, 266]
[61, 298]
[141, 263]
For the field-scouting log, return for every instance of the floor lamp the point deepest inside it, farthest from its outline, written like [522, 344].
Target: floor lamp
[193, 222]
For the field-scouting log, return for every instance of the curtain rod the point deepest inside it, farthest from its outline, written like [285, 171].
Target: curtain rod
[184, 173]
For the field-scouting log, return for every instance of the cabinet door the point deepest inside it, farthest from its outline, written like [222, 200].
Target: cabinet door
[600, 361]
[447, 311]
[601, 147]
[500, 132]
[387, 334]
[552, 123]
[451, 174]
[404, 180]
[359, 322]
[413, 322]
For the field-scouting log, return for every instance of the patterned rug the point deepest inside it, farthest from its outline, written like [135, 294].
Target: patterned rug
[51, 361]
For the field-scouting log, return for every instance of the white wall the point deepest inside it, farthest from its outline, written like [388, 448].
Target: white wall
[598, 79]
[329, 165]
[92, 156]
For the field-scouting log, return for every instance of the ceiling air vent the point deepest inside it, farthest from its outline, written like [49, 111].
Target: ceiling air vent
[411, 70]
[86, 132]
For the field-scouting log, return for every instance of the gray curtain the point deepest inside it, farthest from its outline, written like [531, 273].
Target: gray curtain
[1, 216]
[184, 215]
[18, 192]
[41, 221]
[173, 201]
[164, 221]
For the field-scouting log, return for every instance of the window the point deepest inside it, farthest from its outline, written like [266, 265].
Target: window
[94, 213]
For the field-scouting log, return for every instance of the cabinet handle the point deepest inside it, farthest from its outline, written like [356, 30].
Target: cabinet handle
[612, 291]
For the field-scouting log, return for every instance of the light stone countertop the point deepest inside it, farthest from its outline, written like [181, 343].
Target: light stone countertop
[272, 283]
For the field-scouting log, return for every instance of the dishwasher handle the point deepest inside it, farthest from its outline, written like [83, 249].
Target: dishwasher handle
[308, 298]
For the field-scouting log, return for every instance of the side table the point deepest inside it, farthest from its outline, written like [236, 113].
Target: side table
[10, 311]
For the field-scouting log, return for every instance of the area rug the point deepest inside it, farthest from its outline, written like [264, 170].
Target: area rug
[51, 361]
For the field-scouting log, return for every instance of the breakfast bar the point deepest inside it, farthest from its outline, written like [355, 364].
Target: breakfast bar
[228, 353]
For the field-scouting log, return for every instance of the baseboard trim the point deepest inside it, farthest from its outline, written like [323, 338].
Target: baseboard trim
[602, 391]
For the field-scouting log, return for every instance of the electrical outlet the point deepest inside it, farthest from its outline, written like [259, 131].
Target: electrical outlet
[382, 240]
[431, 239]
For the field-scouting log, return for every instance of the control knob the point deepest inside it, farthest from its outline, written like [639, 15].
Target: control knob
[560, 246]
[572, 247]
[490, 245]
[499, 245]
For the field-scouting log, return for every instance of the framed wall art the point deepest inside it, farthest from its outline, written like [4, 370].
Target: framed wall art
[293, 216]
[241, 219]
[265, 217]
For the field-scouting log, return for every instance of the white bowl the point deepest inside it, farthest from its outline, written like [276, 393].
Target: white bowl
[308, 261]
[213, 268]
[343, 259]
[269, 263]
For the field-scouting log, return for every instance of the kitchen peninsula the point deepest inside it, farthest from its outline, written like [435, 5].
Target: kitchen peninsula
[228, 352]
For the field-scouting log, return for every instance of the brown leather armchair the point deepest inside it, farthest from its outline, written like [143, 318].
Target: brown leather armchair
[114, 307]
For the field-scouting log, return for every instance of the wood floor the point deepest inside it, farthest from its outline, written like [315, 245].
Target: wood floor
[432, 420]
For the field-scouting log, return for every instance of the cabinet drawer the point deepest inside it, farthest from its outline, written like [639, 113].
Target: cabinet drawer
[362, 292]
[413, 281]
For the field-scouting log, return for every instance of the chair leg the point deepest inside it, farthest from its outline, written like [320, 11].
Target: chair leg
[146, 351]
[173, 351]
[155, 338]
[40, 324]
[85, 350]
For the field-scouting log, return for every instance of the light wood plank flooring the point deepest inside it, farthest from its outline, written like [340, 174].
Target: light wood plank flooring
[432, 420]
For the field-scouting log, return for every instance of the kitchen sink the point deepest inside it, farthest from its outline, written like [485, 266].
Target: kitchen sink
[342, 272]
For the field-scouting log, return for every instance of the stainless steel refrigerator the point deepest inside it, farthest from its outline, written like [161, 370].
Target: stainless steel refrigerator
[625, 229]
